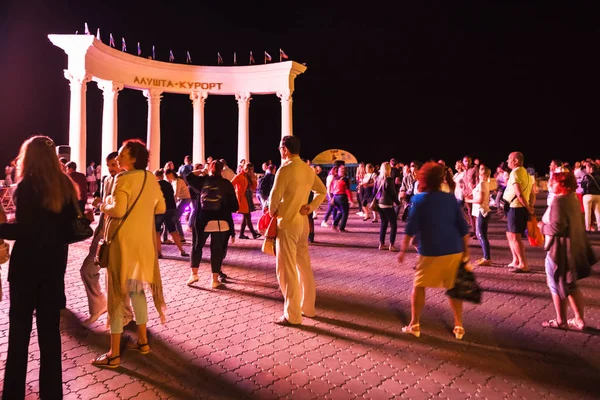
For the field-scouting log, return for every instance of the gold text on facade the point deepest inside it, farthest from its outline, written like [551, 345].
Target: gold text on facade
[167, 83]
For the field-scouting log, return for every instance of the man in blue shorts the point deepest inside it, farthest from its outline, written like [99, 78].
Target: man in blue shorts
[520, 194]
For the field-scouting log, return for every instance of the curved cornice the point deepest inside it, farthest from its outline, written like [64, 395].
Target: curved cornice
[88, 55]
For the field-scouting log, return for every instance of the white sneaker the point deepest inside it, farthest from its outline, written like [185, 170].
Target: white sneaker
[360, 214]
[324, 224]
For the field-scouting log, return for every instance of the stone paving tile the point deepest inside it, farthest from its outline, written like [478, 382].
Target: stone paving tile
[222, 344]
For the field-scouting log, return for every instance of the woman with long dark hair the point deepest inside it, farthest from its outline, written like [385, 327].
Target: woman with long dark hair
[45, 199]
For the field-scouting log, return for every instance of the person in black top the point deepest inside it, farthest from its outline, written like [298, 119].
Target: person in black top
[45, 199]
[265, 184]
[169, 218]
[216, 202]
[396, 175]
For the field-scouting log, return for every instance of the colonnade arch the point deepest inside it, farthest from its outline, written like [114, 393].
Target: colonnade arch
[91, 60]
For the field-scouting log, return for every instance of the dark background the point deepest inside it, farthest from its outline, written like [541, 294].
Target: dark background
[416, 80]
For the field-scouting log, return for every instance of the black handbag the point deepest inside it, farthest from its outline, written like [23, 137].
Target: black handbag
[465, 286]
[102, 251]
[80, 228]
[506, 204]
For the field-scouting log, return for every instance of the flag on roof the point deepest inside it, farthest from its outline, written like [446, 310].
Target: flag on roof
[234, 58]
[251, 58]
[86, 30]
[98, 34]
[171, 56]
[267, 57]
[139, 49]
[219, 59]
[111, 41]
[123, 45]
[188, 58]
[153, 53]
[282, 55]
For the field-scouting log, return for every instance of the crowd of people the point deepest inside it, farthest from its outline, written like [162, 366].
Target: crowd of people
[443, 210]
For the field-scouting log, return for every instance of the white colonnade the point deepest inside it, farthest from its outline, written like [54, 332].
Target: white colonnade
[90, 59]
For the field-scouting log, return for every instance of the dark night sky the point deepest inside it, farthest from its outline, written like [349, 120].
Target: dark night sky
[420, 80]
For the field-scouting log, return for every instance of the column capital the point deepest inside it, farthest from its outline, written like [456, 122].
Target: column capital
[243, 98]
[109, 87]
[152, 94]
[79, 77]
[285, 95]
[198, 96]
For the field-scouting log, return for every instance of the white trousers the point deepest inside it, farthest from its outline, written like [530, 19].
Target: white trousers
[294, 272]
[591, 205]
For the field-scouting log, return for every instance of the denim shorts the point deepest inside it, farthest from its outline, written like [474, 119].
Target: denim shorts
[552, 283]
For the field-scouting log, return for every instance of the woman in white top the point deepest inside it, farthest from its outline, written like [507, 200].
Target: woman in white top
[481, 210]
[368, 184]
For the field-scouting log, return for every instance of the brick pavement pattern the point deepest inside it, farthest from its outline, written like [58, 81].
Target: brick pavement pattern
[222, 343]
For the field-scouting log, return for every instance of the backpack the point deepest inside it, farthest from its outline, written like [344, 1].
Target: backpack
[210, 198]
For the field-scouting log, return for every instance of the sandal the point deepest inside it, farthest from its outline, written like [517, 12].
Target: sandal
[459, 332]
[414, 330]
[139, 347]
[104, 361]
[552, 323]
[577, 326]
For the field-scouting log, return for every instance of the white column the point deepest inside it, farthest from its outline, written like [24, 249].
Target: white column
[243, 100]
[286, 112]
[77, 118]
[153, 140]
[198, 150]
[110, 90]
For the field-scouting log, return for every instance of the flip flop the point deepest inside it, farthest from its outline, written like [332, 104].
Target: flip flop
[138, 347]
[576, 326]
[552, 323]
[104, 361]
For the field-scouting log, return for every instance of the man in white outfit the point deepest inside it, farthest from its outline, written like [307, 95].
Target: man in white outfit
[288, 203]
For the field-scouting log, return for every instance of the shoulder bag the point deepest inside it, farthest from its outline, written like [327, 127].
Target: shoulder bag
[374, 206]
[101, 258]
[506, 204]
[79, 228]
[268, 246]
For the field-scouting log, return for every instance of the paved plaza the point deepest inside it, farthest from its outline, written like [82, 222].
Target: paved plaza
[223, 344]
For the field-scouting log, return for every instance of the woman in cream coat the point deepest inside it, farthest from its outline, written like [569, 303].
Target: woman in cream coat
[133, 260]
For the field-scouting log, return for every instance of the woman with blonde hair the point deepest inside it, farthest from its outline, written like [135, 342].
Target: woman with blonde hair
[361, 171]
[45, 199]
[436, 218]
[480, 200]
[133, 259]
[385, 194]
